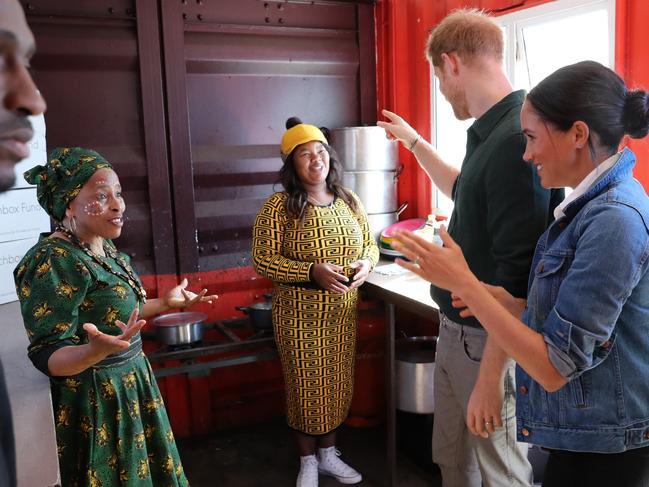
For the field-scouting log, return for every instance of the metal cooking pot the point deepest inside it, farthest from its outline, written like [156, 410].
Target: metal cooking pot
[365, 148]
[380, 221]
[261, 314]
[415, 369]
[376, 189]
[179, 328]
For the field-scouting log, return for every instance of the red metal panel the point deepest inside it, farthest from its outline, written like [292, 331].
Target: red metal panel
[404, 86]
[632, 39]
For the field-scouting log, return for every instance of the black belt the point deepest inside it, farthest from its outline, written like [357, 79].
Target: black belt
[122, 357]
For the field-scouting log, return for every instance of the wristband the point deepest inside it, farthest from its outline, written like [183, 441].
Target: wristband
[414, 143]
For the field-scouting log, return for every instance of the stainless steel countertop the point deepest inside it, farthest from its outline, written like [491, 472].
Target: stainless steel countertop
[406, 290]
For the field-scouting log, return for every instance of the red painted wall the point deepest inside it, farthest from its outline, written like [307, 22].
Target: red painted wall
[631, 63]
[404, 74]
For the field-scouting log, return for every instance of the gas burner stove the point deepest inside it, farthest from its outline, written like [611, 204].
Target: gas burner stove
[261, 346]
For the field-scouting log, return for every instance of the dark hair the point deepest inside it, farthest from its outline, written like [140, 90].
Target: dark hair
[596, 95]
[297, 195]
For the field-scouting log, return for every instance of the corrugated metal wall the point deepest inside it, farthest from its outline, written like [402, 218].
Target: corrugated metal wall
[189, 100]
[246, 66]
[88, 68]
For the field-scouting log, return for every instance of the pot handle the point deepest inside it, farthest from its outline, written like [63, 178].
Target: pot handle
[398, 172]
[268, 296]
[245, 309]
[402, 208]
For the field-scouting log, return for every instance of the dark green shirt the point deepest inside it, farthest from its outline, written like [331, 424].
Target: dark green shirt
[500, 207]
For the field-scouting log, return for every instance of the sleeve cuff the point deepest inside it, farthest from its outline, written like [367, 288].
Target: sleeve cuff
[41, 358]
[556, 333]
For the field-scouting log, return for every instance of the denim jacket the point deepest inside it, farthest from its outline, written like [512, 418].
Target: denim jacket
[589, 298]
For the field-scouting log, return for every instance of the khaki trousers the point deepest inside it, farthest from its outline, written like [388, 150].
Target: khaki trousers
[467, 460]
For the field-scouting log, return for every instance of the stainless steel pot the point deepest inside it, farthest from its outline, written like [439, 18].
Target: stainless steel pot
[261, 315]
[180, 328]
[364, 149]
[415, 369]
[376, 189]
[380, 221]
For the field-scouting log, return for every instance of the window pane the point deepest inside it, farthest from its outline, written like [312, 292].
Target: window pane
[450, 141]
[550, 45]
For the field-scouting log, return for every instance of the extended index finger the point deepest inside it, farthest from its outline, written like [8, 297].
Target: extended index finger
[133, 317]
[391, 115]
[132, 330]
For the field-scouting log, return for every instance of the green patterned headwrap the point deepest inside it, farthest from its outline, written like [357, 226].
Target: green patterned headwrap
[59, 181]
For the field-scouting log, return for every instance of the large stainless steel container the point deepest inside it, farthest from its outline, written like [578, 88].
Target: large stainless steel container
[380, 221]
[364, 149]
[415, 369]
[376, 189]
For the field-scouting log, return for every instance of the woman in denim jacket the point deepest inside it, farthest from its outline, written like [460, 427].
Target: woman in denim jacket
[581, 341]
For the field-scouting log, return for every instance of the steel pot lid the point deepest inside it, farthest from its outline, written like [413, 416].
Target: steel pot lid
[265, 305]
[179, 319]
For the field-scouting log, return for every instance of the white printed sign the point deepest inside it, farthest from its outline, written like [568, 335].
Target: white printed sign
[10, 255]
[21, 215]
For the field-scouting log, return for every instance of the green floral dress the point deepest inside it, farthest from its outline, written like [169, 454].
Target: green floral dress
[111, 425]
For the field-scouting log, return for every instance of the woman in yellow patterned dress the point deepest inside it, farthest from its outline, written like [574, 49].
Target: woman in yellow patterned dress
[313, 241]
[80, 300]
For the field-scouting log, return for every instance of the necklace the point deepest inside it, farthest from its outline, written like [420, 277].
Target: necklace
[130, 278]
[317, 201]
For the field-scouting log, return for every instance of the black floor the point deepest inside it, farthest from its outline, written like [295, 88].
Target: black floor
[264, 456]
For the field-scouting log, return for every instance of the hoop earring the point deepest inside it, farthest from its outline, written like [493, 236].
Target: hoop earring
[73, 225]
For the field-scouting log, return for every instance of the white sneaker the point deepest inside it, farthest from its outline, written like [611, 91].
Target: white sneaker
[330, 464]
[308, 476]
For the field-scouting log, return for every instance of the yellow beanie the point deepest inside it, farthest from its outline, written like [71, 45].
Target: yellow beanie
[300, 134]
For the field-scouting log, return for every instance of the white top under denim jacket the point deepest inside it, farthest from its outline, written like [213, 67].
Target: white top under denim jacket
[589, 298]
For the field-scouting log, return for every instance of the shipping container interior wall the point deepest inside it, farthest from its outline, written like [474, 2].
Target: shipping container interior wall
[188, 100]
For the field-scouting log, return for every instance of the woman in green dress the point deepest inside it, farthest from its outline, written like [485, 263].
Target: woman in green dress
[82, 305]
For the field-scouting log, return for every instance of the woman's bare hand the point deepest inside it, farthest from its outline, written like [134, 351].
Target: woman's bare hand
[102, 345]
[330, 277]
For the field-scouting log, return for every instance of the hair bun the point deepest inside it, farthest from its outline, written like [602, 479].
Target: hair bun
[635, 117]
[327, 133]
[292, 122]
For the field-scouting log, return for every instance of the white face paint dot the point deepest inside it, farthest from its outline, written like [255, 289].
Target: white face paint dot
[93, 209]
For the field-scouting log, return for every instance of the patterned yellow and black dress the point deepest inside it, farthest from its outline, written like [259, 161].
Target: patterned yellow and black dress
[111, 425]
[315, 329]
